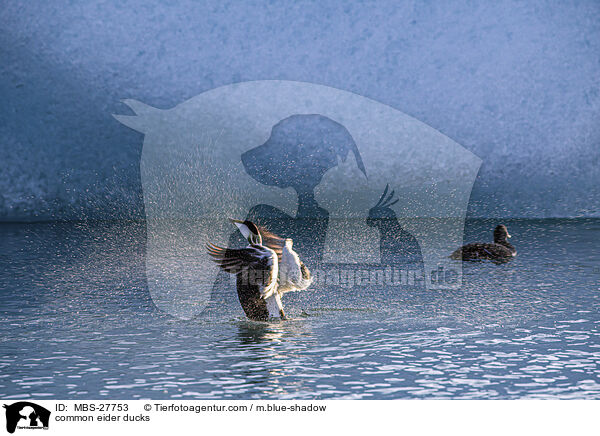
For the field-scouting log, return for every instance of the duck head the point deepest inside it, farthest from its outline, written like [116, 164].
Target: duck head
[501, 234]
[249, 231]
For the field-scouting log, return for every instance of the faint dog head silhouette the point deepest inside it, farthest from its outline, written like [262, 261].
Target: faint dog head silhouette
[300, 150]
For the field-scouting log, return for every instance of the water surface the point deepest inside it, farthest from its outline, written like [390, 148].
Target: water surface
[77, 322]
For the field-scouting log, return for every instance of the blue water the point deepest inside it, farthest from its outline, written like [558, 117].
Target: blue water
[77, 323]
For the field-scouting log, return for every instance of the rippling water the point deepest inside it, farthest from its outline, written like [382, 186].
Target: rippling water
[77, 322]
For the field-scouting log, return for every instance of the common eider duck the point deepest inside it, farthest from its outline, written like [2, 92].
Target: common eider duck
[266, 269]
[256, 268]
[499, 251]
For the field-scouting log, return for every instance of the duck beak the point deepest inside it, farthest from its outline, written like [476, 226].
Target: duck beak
[508, 235]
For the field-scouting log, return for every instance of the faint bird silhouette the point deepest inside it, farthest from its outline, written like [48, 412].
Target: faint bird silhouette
[397, 246]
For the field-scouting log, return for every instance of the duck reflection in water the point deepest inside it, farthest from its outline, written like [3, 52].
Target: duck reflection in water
[266, 354]
[258, 333]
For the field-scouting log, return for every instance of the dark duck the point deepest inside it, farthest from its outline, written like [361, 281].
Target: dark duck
[499, 251]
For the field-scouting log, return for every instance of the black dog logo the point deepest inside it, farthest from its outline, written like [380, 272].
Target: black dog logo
[26, 415]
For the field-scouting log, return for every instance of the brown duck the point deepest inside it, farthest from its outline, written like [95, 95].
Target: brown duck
[499, 251]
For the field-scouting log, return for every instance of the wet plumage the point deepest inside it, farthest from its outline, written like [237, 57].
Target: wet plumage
[266, 269]
[256, 268]
[294, 275]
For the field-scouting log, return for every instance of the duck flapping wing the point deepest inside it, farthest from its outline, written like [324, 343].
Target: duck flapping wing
[259, 263]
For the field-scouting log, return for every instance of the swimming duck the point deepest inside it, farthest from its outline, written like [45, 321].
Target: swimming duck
[256, 268]
[499, 251]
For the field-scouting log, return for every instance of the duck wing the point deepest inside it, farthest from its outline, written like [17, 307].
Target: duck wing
[294, 275]
[306, 280]
[255, 263]
[234, 261]
[273, 241]
[290, 279]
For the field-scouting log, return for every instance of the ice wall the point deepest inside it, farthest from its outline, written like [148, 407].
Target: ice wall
[516, 83]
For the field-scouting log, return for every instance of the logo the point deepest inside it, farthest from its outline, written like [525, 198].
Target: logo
[371, 196]
[26, 415]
